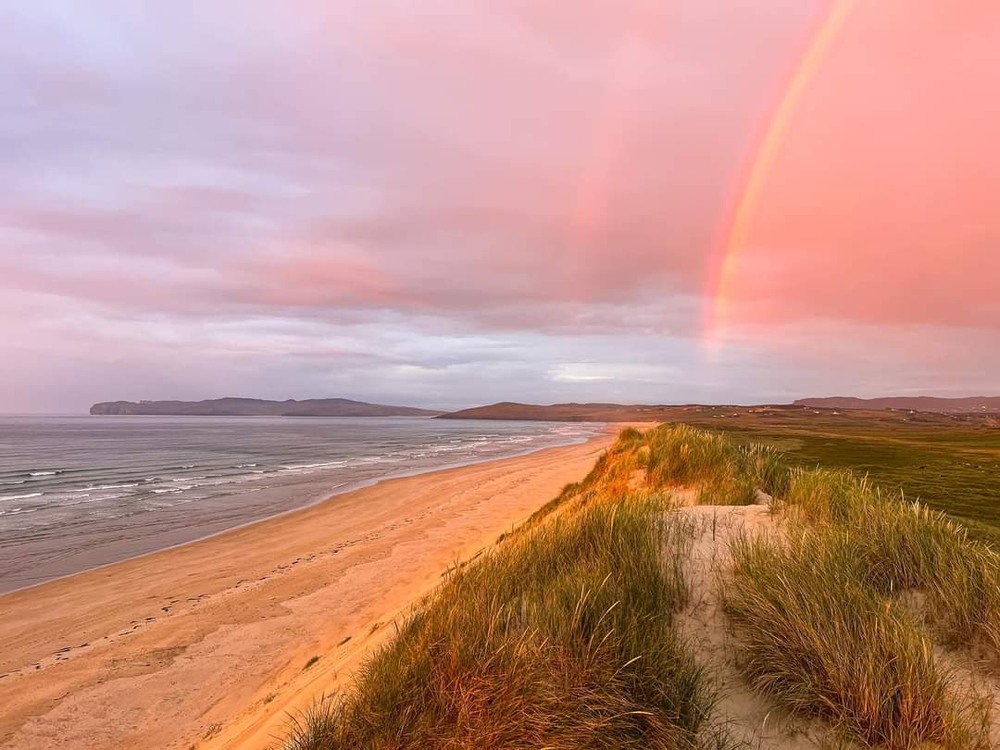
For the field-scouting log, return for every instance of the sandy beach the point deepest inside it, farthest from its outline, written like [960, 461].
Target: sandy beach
[207, 645]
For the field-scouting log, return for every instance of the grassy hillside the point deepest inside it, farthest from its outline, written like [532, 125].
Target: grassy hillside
[847, 613]
[951, 463]
[948, 461]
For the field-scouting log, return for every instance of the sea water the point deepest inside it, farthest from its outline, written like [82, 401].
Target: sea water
[79, 492]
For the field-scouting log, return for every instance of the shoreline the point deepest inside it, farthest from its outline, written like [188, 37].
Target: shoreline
[204, 644]
[316, 499]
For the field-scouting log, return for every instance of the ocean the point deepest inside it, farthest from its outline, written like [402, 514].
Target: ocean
[79, 492]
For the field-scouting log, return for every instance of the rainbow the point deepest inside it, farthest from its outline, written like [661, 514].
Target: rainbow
[736, 230]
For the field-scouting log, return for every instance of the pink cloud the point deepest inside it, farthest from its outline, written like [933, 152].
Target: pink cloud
[881, 205]
[491, 187]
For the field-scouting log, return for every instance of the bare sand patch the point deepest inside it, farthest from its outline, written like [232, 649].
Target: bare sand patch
[751, 717]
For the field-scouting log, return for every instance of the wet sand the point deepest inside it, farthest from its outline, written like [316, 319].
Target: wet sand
[207, 645]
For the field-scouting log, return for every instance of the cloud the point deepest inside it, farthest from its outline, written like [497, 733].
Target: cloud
[879, 208]
[458, 201]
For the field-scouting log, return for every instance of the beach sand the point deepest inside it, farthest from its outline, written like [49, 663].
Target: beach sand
[207, 645]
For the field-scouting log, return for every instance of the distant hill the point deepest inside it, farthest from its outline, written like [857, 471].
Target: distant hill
[253, 407]
[977, 404]
[697, 414]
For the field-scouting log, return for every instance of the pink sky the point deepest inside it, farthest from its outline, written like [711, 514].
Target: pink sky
[455, 202]
[881, 206]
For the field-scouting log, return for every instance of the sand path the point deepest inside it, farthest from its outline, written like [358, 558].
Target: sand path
[749, 717]
[206, 645]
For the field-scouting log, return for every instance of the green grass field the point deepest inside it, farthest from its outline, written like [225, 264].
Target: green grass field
[950, 463]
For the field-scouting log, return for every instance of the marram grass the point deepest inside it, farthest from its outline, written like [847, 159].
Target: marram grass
[815, 637]
[563, 635]
[904, 546]
[823, 627]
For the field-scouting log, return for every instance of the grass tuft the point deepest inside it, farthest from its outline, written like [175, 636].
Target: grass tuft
[818, 640]
[902, 546]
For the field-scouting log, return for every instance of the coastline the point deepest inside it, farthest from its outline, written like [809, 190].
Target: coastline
[315, 498]
[205, 644]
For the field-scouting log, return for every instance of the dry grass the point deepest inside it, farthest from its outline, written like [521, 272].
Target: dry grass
[815, 637]
[903, 546]
[562, 637]
[821, 625]
[727, 473]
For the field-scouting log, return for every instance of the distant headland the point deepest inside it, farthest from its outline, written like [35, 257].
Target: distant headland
[254, 407]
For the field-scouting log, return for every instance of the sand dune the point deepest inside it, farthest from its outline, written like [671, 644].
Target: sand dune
[206, 645]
